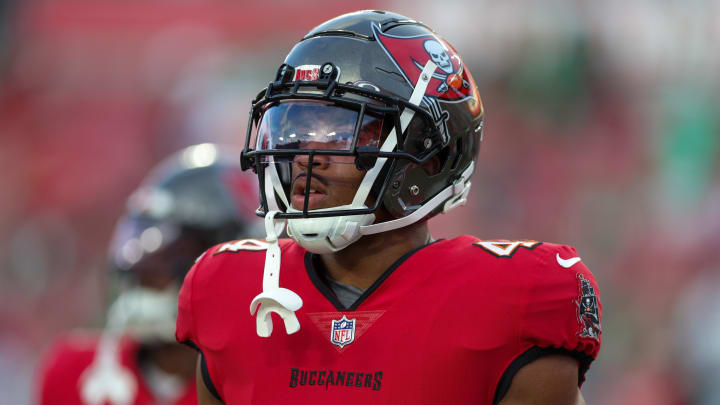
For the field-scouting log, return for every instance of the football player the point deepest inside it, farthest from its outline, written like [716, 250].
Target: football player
[371, 126]
[191, 201]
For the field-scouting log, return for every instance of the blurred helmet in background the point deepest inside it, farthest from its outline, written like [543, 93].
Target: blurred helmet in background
[192, 200]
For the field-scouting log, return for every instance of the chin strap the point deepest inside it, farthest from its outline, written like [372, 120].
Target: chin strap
[391, 141]
[274, 298]
[452, 196]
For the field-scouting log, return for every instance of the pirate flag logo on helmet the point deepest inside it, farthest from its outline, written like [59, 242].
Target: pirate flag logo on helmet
[450, 81]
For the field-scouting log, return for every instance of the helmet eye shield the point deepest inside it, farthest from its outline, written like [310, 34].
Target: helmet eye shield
[302, 125]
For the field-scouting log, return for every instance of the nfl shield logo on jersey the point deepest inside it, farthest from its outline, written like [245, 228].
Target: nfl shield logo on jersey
[342, 332]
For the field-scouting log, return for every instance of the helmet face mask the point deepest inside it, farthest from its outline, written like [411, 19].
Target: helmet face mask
[339, 98]
[312, 132]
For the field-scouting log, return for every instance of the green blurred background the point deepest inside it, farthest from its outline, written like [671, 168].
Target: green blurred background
[602, 132]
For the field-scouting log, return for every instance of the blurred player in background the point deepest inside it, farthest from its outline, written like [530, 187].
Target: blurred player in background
[372, 126]
[192, 200]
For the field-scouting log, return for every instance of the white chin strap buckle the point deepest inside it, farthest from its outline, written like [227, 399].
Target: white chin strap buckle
[273, 298]
[460, 191]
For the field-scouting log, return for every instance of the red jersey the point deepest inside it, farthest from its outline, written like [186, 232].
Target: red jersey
[451, 322]
[65, 366]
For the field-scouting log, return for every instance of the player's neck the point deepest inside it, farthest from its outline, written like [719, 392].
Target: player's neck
[361, 263]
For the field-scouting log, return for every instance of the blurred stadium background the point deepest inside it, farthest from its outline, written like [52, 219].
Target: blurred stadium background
[602, 132]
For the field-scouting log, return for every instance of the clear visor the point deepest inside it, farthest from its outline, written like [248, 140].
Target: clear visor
[319, 169]
[315, 125]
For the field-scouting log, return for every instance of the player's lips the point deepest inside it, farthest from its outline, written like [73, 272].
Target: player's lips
[315, 197]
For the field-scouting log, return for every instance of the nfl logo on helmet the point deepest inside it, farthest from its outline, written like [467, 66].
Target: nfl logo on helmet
[342, 332]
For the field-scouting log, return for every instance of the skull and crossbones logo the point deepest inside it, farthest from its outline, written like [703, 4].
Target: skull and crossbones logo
[439, 55]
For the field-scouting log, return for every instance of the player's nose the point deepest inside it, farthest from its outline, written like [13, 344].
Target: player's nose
[318, 161]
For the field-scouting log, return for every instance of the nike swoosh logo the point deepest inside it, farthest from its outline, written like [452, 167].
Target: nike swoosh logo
[567, 263]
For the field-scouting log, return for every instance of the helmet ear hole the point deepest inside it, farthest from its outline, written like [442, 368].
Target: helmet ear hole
[432, 166]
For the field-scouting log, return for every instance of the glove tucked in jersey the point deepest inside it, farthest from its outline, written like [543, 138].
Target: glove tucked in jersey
[449, 323]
